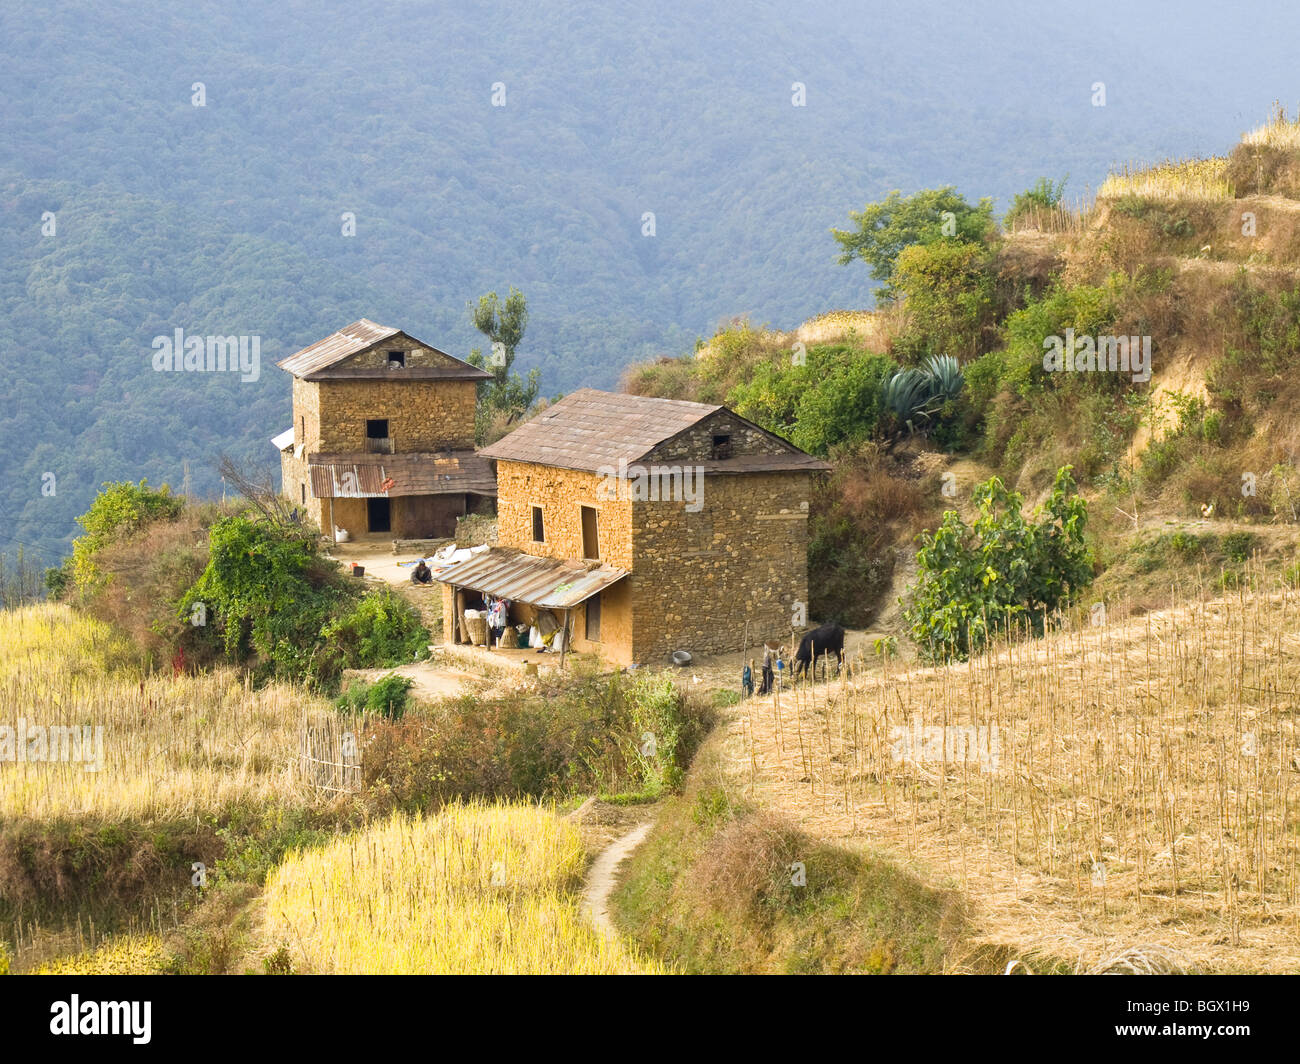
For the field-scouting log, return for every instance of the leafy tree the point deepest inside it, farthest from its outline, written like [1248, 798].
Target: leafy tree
[507, 396]
[947, 288]
[268, 593]
[976, 581]
[882, 230]
[503, 322]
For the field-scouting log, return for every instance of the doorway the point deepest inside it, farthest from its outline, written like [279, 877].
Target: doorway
[379, 515]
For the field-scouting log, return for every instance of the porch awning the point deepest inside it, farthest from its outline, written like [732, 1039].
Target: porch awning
[548, 583]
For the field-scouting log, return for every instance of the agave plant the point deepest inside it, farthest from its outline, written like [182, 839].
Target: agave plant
[916, 395]
[945, 371]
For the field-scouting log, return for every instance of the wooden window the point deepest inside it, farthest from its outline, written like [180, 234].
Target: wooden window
[593, 618]
[539, 532]
[590, 535]
[721, 447]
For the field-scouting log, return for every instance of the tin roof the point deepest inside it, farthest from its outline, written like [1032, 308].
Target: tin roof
[548, 583]
[362, 476]
[316, 359]
[283, 440]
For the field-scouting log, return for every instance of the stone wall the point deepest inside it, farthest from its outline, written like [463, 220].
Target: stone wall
[697, 577]
[696, 443]
[561, 493]
[423, 415]
[417, 356]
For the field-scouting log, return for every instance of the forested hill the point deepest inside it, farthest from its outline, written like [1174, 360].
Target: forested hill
[225, 219]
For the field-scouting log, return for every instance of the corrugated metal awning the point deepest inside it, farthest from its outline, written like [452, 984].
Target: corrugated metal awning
[348, 481]
[362, 476]
[548, 583]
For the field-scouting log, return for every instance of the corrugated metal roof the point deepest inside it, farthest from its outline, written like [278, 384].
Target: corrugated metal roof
[590, 429]
[315, 361]
[283, 440]
[548, 583]
[363, 476]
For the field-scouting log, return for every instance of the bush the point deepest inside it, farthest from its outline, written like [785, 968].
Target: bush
[974, 582]
[381, 629]
[118, 512]
[387, 697]
[586, 734]
[1041, 196]
[269, 595]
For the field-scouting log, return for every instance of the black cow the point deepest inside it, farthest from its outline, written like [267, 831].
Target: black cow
[820, 642]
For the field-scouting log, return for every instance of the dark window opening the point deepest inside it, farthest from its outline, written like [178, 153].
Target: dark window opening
[396, 359]
[721, 447]
[593, 618]
[302, 429]
[377, 438]
[379, 515]
[304, 492]
[590, 538]
[538, 530]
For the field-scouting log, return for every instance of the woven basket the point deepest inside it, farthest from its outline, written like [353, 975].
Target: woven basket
[476, 629]
[509, 639]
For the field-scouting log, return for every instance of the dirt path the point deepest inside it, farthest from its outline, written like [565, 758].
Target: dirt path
[601, 879]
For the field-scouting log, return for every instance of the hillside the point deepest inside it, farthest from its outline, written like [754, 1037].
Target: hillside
[226, 219]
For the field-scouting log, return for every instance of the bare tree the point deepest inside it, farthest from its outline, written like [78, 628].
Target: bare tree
[257, 488]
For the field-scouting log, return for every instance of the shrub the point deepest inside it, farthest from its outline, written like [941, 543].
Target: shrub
[1238, 546]
[1041, 196]
[388, 697]
[976, 581]
[118, 512]
[380, 629]
[269, 595]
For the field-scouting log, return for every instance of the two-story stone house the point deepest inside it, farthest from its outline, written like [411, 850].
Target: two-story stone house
[644, 526]
[382, 439]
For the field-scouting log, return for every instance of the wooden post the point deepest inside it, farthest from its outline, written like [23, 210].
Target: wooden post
[564, 635]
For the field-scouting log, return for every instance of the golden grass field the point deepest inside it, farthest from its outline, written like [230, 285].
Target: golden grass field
[473, 889]
[1146, 790]
[1195, 179]
[172, 747]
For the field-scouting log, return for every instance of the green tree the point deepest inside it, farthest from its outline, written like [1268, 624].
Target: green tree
[947, 288]
[976, 581]
[503, 322]
[882, 230]
[507, 396]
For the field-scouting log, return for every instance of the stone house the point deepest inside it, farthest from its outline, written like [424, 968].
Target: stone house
[382, 440]
[644, 526]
